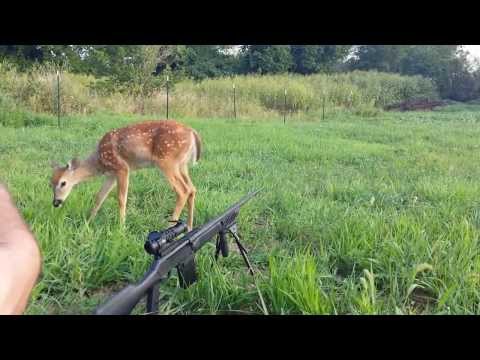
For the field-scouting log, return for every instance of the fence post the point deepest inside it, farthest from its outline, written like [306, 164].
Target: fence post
[323, 108]
[167, 96]
[285, 106]
[58, 98]
[234, 103]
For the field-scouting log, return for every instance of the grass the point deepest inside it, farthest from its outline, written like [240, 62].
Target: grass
[358, 215]
[261, 97]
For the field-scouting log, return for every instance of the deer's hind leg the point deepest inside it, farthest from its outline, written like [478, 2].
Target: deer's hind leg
[191, 194]
[174, 178]
[122, 181]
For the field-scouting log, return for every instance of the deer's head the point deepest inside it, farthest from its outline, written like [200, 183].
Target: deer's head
[63, 180]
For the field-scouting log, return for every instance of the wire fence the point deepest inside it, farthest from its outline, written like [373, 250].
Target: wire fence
[32, 97]
[163, 103]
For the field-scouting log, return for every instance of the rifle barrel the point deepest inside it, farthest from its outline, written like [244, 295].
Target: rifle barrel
[199, 236]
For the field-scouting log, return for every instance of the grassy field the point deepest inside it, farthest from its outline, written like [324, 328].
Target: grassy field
[357, 216]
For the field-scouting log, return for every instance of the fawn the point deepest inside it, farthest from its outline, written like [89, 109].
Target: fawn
[166, 144]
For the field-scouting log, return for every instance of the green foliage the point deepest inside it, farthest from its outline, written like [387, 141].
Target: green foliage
[464, 79]
[311, 59]
[269, 59]
[24, 56]
[366, 300]
[295, 285]
[118, 65]
[364, 93]
[36, 89]
[387, 196]
[383, 58]
[142, 83]
[106, 60]
[382, 89]
[206, 61]
[447, 65]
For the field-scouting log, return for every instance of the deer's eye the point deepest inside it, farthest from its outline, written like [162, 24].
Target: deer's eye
[63, 183]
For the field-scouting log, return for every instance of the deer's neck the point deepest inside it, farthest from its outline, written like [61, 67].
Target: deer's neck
[88, 168]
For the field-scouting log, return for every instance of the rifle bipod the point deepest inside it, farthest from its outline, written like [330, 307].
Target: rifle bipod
[222, 246]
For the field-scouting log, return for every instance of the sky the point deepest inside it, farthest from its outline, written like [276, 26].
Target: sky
[474, 50]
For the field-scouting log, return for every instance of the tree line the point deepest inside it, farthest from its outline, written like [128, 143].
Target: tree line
[448, 65]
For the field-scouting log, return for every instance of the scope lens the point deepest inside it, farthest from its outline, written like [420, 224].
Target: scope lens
[151, 247]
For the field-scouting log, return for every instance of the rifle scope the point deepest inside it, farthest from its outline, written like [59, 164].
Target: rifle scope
[158, 239]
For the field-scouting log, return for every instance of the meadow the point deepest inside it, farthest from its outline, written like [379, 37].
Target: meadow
[24, 95]
[358, 215]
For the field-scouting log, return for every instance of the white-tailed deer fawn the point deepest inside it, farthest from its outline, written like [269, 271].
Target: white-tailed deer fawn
[165, 144]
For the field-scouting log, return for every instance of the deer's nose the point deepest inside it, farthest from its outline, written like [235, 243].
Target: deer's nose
[57, 202]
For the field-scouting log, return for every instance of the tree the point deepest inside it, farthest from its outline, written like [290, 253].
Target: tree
[24, 56]
[447, 65]
[385, 58]
[463, 78]
[142, 82]
[205, 61]
[429, 61]
[109, 60]
[268, 59]
[170, 57]
[309, 59]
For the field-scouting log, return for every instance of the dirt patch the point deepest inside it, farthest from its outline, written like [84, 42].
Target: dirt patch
[105, 291]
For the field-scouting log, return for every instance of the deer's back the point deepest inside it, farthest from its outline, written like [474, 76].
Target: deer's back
[142, 144]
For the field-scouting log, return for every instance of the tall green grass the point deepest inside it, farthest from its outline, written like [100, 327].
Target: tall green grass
[362, 93]
[295, 286]
[388, 211]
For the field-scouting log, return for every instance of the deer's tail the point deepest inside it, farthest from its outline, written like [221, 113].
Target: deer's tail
[197, 148]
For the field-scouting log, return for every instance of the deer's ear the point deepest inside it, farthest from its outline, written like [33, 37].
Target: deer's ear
[73, 164]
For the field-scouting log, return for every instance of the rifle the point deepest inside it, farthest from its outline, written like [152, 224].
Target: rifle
[170, 252]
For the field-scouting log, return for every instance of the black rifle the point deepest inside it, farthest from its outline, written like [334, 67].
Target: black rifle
[170, 252]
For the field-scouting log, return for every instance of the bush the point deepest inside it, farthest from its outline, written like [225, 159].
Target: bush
[364, 93]
[383, 88]
[21, 118]
[357, 90]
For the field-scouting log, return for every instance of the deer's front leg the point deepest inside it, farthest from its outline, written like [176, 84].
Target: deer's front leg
[102, 195]
[122, 182]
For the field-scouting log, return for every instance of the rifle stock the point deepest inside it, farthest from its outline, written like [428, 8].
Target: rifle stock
[124, 302]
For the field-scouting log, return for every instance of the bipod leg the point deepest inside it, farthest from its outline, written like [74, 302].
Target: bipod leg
[233, 231]
[243, 251]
